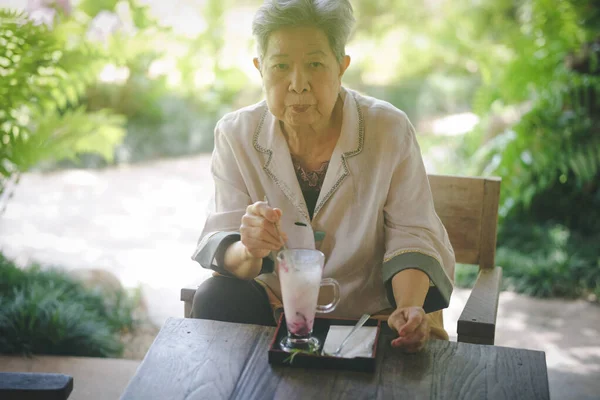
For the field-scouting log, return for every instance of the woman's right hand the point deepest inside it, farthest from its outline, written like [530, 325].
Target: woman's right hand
[258, 232]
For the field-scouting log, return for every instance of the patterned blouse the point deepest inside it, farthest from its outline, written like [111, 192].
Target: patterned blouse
[310, 183]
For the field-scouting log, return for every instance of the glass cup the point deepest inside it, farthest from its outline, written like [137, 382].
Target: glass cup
[300, 275]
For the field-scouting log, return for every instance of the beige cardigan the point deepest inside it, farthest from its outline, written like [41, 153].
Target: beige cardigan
[374, 216]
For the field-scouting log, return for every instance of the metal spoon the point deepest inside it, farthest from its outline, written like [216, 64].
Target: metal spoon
[358, 325]
[276, 226]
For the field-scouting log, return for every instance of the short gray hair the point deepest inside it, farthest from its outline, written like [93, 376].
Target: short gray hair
[334, 17]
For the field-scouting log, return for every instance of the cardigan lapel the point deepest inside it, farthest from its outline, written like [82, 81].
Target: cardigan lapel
[349, 144]
[268, 139]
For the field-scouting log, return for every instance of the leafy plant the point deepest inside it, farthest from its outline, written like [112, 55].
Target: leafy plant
[557, 140]
[43, 74]
[44, 311]
[546, 260]
[550, 261]
[543, 68]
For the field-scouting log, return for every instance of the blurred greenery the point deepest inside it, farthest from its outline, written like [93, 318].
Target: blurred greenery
[169, 113]
[44, 311]
[544, 260]
[549, 156]
[43, 74]
[529, 69]
[554, 148]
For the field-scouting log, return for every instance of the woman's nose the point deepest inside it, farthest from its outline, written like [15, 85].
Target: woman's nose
[299, 81]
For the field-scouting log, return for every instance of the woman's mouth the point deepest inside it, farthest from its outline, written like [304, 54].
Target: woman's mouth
[300, 108]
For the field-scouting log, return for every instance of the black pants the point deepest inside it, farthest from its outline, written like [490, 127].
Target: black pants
[232, 300]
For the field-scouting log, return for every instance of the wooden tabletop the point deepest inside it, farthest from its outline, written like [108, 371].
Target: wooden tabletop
[199, 359]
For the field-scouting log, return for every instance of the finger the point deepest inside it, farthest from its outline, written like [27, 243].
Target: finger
[261, 224]
[398, 342]
[413, 339]
[257, 236]
[408, 342]
[260, 208]
[414, 320]
[253, 244]
[395, 323]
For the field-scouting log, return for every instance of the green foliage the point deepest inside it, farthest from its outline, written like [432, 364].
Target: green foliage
[534, 44]
[465, 275]
[170, 112]
[42, 77]
[44, 311]
[94, 7]
[540, 61]
[557, 141]
[546, 260]
[556, 144]
[549, 260]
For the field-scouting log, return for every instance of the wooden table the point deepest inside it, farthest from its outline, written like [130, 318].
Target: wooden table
[199, 359]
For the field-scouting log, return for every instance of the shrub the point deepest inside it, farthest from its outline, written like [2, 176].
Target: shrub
[544, 261]
[44, 311]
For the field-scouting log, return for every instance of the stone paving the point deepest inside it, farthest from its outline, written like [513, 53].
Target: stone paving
[141, 224]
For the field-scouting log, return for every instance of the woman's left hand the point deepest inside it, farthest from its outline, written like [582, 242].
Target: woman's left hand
[412, 327]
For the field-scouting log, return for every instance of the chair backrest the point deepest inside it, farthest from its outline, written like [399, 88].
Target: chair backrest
[468, 207]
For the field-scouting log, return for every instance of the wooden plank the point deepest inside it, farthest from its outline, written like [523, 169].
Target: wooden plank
[459, 203]
[194, 359]
[513, 366]
[464, 234]
[404, 376]
[489, 220]
[466, 256]
[35, 386]
[94, 377]
[464, 374]
[489, 372]
[219, 360]
[455, 193]
[187, 296]
[478, 318]
[474, 339]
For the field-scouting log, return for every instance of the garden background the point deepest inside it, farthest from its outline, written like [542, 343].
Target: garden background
[107, 111]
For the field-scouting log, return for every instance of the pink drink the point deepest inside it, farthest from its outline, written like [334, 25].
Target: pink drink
[300, 290]
[300, 274]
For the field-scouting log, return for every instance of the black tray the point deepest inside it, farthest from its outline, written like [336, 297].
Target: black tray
[277, 356]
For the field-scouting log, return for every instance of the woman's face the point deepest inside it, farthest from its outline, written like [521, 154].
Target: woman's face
[301, 76]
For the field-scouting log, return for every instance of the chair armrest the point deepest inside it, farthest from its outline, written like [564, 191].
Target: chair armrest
[477, 323]
[35, 386]
[187, 296]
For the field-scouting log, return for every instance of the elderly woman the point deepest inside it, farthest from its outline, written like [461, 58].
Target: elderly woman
[346, 176]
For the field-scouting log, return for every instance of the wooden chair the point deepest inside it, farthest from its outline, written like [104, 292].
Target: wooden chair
[468, 207]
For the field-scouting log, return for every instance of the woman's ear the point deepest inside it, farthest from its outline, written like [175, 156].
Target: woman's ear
[344, 65]
[257, 64]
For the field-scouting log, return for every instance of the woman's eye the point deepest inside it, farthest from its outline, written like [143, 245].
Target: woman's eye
[316, 64]
[280, 67]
